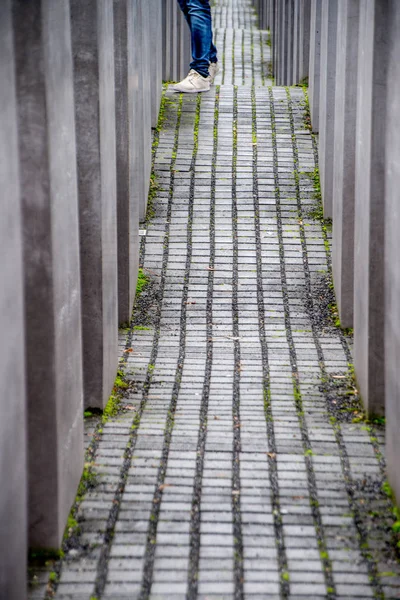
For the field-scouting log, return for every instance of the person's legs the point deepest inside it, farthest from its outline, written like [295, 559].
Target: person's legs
[198, 16]
[213, 53]
[184, 8]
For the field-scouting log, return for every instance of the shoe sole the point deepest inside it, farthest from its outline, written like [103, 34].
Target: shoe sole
[190, 91]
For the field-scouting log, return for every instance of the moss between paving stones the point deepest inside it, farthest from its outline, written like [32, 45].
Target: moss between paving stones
[144, 314]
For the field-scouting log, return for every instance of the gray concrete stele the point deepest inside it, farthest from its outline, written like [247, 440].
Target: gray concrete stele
[314, 68]
[92, 29]
[327, 88]
[392, 254]
[344, 158]
[45, 100]
[369, 297]
[13, 473]
[129, 165]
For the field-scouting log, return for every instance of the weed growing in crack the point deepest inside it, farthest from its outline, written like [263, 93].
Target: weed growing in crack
[114, 404]
[142, 281]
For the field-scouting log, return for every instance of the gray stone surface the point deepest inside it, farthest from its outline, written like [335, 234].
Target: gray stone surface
[290, 37]
[147, 92]
[138, 180]
[296, 40]
[156, 57]
[275, 39]
[284, 42]
[271, 14]
[369, 205]
[304, 41]
[170, 40]
[146, 48]
[344, 158]
[92, 31]
[315, 56]
[327, 90]
[51, 264]
[128, 164]
[392, 252]
[13, 498]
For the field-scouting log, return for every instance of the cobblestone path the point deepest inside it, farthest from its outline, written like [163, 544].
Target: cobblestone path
[237, 470]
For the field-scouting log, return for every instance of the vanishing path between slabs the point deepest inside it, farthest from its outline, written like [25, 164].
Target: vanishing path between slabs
[236, 470]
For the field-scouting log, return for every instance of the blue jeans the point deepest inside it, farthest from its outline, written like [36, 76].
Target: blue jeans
[198, 16]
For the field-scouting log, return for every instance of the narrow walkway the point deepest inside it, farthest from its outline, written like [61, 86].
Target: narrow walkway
[237, 471]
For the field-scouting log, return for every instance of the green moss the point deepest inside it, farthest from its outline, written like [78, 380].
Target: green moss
[317, 211]
[136, 422]
[381, 421]
[296, 393]
[120, 383]
[154, 188]
[306, 107]
[142, 281]
[285, 576]
[53, 577]
[386, 489]
[141, 328]
[113, 405]
[303, 83]
[267, 403]
[72, 523]
[88, 480]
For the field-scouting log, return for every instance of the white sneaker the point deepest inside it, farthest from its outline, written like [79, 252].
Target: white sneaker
[213, 69]
[193, 82]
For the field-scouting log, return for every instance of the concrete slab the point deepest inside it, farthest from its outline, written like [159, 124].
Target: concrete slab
[92, 30]
[315, 55]
[146, 85]
[296, 41]
[304, 42]
[344, 158]
[369, 205]
[13, 499]
[327, 90]
[127, 201]
[275, 40]
[51, 264]
[156, 54]
[290, 50]
[392, 253]
[283, 42]
[166, 33]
